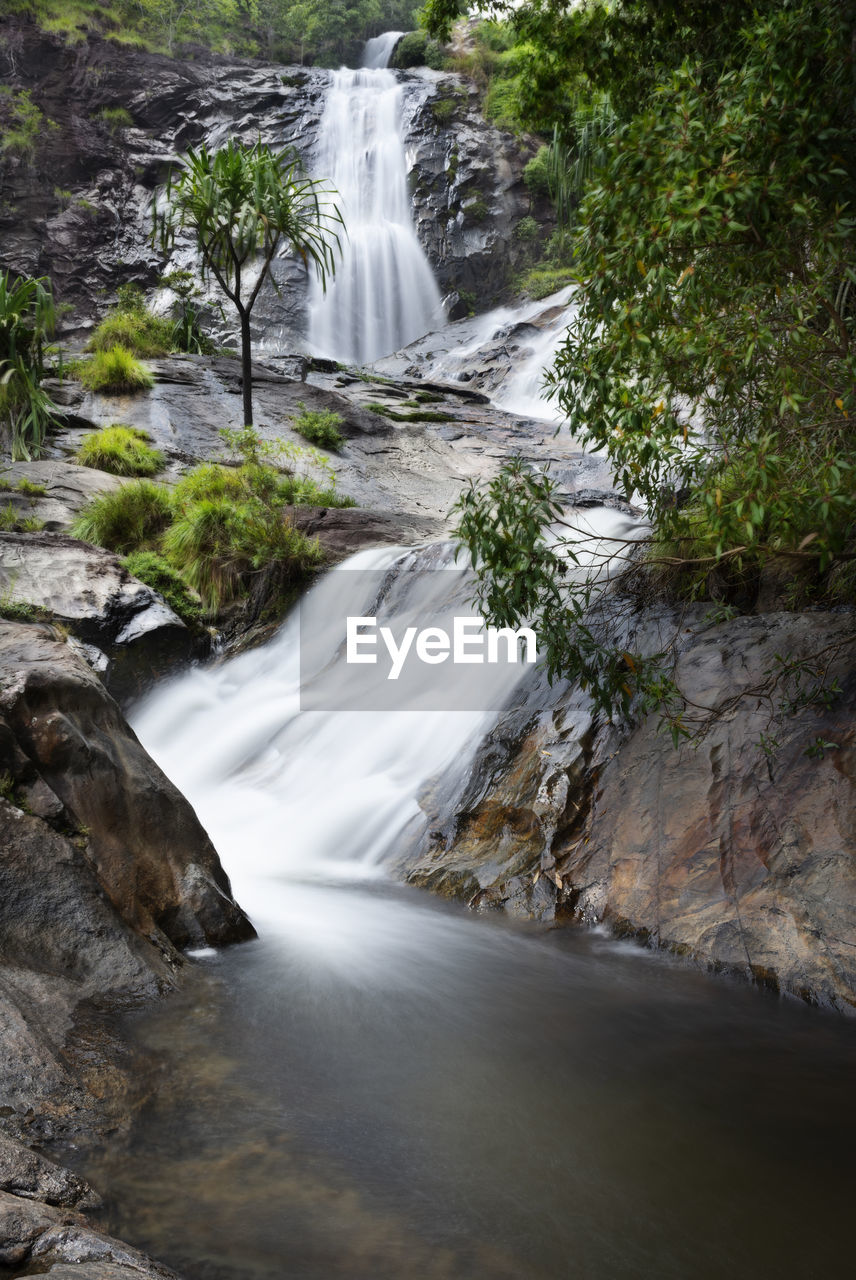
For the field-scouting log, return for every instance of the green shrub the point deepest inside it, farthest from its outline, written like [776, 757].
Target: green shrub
[157, 573]
[527, 229]
[540, 282]
[133, 517]
[417, 49]
[115, 118]
[536, 174]
[114, 371]
[27, 319]
[320, 426]
[216, 544]
[443, 109]
[219, 527]
[123, 451]
[22, 124]
[139, 332]
[476, 210]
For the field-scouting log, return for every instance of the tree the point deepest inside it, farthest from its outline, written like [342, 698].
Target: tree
[243, 204]
[712, 352]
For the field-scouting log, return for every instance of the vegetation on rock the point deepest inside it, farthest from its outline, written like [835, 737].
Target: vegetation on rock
[114, 371]
[320, 426]
[121, 450]
[27, 320]
[220, 527]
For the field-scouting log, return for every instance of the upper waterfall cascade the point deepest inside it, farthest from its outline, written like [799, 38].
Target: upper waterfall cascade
[383, 295]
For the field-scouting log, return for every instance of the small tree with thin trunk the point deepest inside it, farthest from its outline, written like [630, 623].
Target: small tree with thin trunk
[243, 203]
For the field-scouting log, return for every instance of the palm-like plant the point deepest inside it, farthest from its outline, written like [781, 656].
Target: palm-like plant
[27, 320]
[243, 203]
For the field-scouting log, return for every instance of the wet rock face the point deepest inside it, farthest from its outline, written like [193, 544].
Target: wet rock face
[79, 211]
[73, 765]
[130, 634]
[739, 860]
[468, 191]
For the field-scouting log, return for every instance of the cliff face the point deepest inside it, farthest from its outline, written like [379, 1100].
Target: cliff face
[78, 209]
[739, 858]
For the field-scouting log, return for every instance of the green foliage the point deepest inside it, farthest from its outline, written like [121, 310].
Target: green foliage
[542, 281]
[320, 426]
[220, 527]
[130, 519]
[157, 573]
[114, 371]
[22, 124]
[444, 107]
[27, 319]
[123, 451]
[417, 49]
[187, 334]
[139, 332]
[217, 544]
[475, 210]
[418, 415]
[713, 334]
[711, 354]
[116, 118]
[536, 173]
[325, 31]
[31, 488]
[527, 229]
[243, 203]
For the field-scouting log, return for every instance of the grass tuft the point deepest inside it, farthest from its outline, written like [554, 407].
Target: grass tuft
[115, 371]
[123, 451]
[320, 426]
[130, 519]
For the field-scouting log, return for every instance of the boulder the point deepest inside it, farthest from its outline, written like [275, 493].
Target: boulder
[132, 634]
[62, 733]
[68, 487]
[737, 851]
[60, 1243]
[32, 1176]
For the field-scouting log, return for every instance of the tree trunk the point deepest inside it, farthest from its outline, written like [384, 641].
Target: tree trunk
[246, 368]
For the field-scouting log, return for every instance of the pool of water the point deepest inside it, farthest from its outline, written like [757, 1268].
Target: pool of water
[385, 1086]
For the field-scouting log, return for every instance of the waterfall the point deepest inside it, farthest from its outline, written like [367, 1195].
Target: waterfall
[519, 388]
[313, 793]
[384, 294]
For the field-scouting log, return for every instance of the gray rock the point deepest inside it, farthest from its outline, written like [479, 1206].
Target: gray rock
[69, 488]
[138, 836]
[58, 1242]
[32, 1176]
[89, 591]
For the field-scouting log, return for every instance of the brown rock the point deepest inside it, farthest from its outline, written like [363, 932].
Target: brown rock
[716, 851]
[139, 836]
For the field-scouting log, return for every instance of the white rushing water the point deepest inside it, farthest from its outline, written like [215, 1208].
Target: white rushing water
[531, 335]
[286, 792]
[383, 295]
[312, 793]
